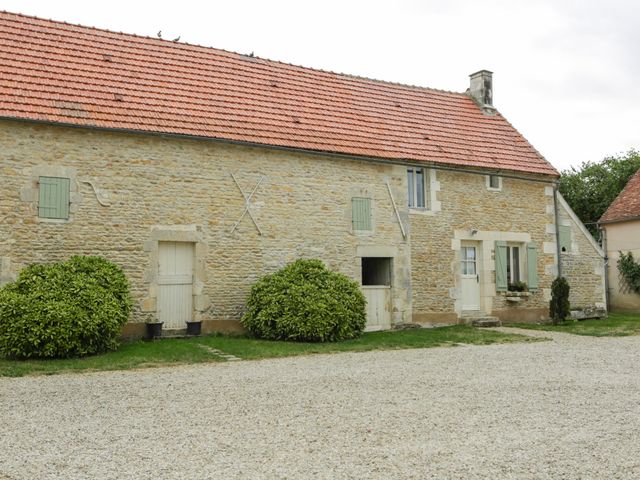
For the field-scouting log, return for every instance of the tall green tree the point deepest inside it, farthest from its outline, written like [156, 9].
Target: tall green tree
[592, 187]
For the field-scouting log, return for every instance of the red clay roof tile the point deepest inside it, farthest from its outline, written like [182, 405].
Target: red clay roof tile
[626, 206]
[57, 72]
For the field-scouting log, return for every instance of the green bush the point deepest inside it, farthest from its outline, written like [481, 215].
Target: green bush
[559, 305]
[630, 272]
[305, 301]
[65, 309]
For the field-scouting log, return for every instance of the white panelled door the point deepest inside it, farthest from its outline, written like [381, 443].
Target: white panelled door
[378, 303]
[469, 278]
[175, 283]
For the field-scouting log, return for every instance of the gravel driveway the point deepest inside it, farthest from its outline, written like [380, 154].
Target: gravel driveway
[564, 409]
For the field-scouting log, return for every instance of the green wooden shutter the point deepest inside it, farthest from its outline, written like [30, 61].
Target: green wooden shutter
[361, 213]
[565, 238]
[501, 266]
[532, 267]
[53, 197]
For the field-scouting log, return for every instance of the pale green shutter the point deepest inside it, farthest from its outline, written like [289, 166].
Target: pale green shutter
[501, 266]
[565, 238]
[361, 213]
[532, 267]
[53, 197]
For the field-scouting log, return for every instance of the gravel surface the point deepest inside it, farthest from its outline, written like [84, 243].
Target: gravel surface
[563, 409]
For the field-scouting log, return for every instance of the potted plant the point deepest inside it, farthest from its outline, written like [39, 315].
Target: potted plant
[517, 287]
[194, 328]
[154, 330]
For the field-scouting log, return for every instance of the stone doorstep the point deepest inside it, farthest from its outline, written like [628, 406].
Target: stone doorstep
[588, 313]
[486, 322]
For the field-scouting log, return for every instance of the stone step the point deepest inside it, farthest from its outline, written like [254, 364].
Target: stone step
[175, 333]
[486, 322]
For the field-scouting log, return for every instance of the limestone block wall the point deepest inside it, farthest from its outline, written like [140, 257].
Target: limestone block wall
[519, 211]
[132, 190]
[583, 263]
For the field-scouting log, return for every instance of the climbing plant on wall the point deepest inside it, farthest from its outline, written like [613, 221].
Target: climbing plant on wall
[629, 271]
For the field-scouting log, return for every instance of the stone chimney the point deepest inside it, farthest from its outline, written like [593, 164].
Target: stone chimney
[481, 90]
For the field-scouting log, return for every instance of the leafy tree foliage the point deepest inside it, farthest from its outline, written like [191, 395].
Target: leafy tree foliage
[592, 187]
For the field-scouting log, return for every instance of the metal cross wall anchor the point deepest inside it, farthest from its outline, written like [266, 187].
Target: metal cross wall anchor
[247, 204]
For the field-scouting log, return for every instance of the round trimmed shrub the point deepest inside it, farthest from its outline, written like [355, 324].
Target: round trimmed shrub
[305, 302]
[65, 309]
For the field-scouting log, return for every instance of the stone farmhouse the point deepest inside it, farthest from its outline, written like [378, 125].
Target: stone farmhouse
[199, 170]
[621, 227]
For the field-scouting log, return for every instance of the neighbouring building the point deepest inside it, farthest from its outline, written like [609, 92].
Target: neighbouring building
[200, 170]
[620, 225]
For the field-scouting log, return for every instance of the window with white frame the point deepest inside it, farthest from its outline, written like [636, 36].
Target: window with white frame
[417, 187]
[515, 263]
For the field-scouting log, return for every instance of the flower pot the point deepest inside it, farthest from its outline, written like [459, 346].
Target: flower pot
[154, 330]
[194, 328]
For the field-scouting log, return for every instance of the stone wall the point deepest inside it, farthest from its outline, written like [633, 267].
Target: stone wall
[130, 191]
[472, 213]
[583, 263]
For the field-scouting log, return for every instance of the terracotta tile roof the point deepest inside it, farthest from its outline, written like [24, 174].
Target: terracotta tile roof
[57, 72]
[626, 206]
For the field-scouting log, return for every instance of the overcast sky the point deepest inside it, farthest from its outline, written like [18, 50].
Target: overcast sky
[566, 73]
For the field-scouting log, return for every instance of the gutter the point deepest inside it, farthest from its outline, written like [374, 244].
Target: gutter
[557, 221]
[607, 293]
[414, 163]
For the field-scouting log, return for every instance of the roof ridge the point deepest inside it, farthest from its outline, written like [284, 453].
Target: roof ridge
[207, 47]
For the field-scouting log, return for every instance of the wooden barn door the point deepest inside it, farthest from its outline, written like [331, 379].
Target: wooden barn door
[175, 283]
[378, 303]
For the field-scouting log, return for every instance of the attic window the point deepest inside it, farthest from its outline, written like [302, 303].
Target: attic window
[494, 182]
[416, 184]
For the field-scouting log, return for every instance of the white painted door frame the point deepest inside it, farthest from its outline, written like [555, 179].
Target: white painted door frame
[470, 279]
[175, 283]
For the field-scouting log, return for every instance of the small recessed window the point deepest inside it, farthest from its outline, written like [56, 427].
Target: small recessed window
[494, 182]
[361, 213]
[417, 191]
[53, 198]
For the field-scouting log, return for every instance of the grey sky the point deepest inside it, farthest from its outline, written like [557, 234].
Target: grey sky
[565, 72]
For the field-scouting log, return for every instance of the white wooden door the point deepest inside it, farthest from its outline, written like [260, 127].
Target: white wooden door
[469, 278]
[175, 283]
[378, 307]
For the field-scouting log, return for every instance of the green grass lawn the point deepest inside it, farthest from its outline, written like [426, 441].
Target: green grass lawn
[615, 325]
[142, 354]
